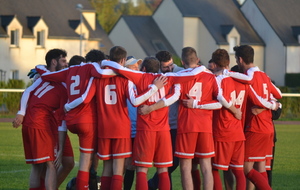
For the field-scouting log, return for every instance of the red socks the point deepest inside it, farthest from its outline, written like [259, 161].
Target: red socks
[240, 179]
[196, 179]
[141, 181]
[105, 182]
[217, 180]
[258, 180]
[265, 175]
[82, 180]
[116, 182]
[164, 181]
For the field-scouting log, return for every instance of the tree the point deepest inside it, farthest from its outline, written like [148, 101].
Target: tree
[109, 11]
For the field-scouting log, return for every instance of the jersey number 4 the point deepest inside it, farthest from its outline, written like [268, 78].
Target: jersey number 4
[196, 91]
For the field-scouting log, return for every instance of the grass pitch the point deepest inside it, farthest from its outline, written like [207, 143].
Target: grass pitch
[14, 173]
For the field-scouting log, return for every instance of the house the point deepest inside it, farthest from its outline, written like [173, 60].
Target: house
[140, 36]
[28, 29]
[205, 25]
[277, 23]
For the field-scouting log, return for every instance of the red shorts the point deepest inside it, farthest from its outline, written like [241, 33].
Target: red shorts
[39, 145]
[229, 155]
[114, 148]
[68, 150]
[153, 146]
[258, 146]
[268, 164]
[190, 145]
[87, 136]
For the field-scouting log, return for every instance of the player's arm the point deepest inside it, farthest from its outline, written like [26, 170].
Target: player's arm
[18, 120]
[261, 102]
[168, 100]
[190, 102]
[185, 75]
[134, 76]
[85, 98]
[137, 100]
[240, 77]
[57, 76]
[224, 97]
[62, 133]
[97, 72]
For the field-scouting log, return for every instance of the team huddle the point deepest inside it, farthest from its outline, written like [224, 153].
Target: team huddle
[134, 114]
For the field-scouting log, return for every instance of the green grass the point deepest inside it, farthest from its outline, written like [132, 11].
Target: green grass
[14, 173]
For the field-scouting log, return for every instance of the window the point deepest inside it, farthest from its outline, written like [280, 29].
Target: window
[40, 38]
[15, 74]
[14, 37]
[232, 44]
[2, 75]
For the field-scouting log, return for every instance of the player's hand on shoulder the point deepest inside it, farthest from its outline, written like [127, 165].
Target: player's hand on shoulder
[160, 81]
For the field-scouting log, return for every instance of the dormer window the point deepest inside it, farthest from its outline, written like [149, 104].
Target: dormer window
[40, 38]
[232, 44]
[14, 37]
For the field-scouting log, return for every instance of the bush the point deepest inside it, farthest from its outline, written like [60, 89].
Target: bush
[290, 105]
[11, 100]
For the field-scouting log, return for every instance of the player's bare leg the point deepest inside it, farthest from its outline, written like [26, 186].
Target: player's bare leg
[186, 175]
[66, 167]
[51, 177]
[35, 175]
[118, 170]
[206, 170]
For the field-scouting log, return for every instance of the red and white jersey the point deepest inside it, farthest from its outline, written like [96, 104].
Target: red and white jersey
[78, 79]
[111, 97]
[226, 127]
[204, 89]
[156, 120]
[262, 89]
[44, 105]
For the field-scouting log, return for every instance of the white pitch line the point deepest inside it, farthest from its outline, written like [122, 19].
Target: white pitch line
[13, 171]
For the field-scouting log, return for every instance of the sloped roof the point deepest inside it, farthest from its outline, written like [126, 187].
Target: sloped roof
[147, 33]
[217, 13]
[282, 15]
[55, 13]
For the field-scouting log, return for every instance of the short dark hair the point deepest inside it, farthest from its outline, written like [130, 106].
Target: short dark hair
[94, 55]
[76, 60]
[235, 68]
[151, 65]
[189, 55]
[220, 57]
[117, 53]
[163, 56]
[54, 54]
[246, 52]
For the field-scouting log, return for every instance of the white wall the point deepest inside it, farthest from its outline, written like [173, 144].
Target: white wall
[170, 21]
[275, 53]
[293, 59]
[121, 35]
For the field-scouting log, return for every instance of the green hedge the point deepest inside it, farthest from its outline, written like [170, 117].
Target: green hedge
[11, 100]
[291, 105]
[292, 79]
